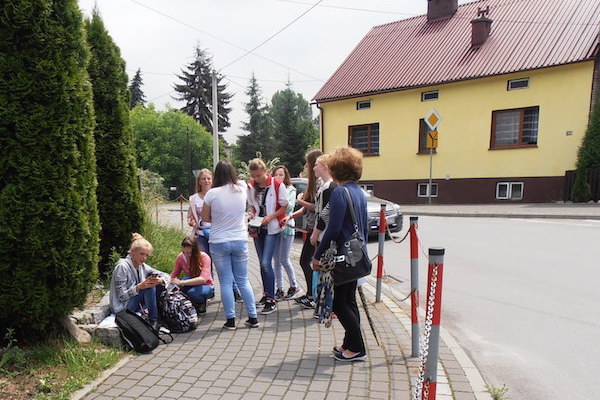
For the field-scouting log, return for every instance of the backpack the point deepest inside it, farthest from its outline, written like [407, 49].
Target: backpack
[177, 311]
[275, 183]
[137, 334]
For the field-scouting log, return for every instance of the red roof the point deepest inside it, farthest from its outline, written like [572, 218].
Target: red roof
[525, 35]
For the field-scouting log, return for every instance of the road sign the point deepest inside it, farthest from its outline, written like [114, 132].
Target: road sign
[433, 119]
[432, 139]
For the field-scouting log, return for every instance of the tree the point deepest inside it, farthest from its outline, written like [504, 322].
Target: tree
[295, 130]
[196, 92]
[119, 198]
[135, 88]
[162, 139]
[259, 125]
[588, 156]
[48, 214]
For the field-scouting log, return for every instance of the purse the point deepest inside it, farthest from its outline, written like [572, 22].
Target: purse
[351, 261]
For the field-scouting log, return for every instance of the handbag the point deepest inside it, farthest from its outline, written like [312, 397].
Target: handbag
[351, 261]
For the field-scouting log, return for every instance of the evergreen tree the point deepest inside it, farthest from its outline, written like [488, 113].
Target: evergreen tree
[48, 213]
[588, 156]
[260, 136]
[196, 92]
[295, 130]
[119, 199]
[135, 88]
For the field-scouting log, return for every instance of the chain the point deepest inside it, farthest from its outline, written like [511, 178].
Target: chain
[424, 342]
[387, 227]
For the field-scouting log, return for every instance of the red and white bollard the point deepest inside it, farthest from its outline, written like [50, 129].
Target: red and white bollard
[382, 226]
[414, 285]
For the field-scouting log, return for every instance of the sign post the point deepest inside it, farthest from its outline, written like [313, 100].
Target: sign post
[432, 120]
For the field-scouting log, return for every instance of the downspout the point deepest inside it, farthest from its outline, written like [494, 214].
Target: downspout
[322, 123]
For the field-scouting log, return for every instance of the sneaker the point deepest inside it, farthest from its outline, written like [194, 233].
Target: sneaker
[300, 299]
[201, 307]
[262, 300]
[292, 291]
[237, 296]
[279, 295]
[269, 307]
[230, 324]
[163, 329]
[308, 303]
[251, 323]
[357, 357]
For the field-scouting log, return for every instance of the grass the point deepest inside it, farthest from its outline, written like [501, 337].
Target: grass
[498, 393]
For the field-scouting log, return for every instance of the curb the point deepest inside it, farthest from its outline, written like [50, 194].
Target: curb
[103, 376]
[498, 215]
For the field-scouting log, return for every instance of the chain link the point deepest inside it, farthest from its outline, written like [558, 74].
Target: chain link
[424, 342]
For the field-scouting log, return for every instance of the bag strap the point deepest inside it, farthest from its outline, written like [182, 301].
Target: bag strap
[351, 204]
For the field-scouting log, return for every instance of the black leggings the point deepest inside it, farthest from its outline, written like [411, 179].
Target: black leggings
[346, 309]
[308, 250]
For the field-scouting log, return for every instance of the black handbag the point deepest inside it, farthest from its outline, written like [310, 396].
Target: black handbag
[352, 261]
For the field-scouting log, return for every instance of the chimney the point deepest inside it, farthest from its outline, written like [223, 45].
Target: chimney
[437, 9]
[480, 27]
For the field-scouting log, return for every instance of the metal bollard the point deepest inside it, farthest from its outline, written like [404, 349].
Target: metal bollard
[382, 226]
[414, 284]
[434, 308]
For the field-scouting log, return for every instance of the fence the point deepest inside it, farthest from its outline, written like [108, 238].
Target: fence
[593, 178]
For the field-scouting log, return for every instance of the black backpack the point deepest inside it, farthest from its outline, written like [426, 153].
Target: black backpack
[138, 334]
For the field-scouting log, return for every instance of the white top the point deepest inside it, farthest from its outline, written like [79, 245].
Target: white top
[227, 210]
[195, 213]
[273, 228]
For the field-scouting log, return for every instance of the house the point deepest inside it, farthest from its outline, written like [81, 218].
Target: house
[511, 82]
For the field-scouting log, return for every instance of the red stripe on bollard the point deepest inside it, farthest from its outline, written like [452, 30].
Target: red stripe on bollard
[414, 306]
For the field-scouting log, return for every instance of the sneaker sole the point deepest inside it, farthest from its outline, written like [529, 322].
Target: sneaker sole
[341, 357]
[229, 328]
[268, 312]
[251, 325]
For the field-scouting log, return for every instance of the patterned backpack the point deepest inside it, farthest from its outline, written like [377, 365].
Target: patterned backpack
[177, 310]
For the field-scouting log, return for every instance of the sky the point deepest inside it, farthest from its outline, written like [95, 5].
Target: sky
[300, 41]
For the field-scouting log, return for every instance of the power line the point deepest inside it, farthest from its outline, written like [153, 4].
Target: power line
[351, 8]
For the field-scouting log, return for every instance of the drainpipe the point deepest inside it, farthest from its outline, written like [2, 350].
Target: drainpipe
[322, 123]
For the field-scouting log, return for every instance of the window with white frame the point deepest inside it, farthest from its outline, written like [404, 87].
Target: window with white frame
[517, 84]
[363, 105]
[515, 128]
[431, 95]
[369, 187]
[423, 190]
[509, 190]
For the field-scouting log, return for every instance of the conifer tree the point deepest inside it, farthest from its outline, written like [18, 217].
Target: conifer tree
[588, 156]
[48, 213]
[196, 92]
[135, 88]
[259, 127]
[119, 199]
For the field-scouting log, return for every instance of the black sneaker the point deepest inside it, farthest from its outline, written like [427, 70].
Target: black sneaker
[251, 323]
[237, 296]
[279, 295]
[201, 307]
[308, 303]
[292, 291]
[262, 300]
[269, 307]
[300, 299]
[230, 324]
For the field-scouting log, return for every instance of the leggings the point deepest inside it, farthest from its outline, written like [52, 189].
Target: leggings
[308, 250]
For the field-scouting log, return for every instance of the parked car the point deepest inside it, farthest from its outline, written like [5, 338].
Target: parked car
[393, 215]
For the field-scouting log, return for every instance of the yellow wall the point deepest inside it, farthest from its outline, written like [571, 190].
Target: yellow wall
[562, 94]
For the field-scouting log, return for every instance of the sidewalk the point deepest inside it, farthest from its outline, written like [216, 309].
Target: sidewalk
[287, 357]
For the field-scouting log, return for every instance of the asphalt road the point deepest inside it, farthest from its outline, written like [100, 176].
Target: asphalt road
[521, 297]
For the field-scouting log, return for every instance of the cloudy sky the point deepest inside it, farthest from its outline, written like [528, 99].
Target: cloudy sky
[302, 41]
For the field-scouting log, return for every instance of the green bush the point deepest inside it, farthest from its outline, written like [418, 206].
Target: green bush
[48, 214]
[588, 156]
[119, 200]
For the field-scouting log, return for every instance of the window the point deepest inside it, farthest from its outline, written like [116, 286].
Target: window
[515, 128]
[509, 190]
[428, 96]
[368, 187]
[364, 138]
[423, 190]
[516, 84]
[423, 129]
[363, 105]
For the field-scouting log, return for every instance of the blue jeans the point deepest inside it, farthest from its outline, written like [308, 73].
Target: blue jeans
[265, 246]
[147, 298]
[231, 261]
[198, 293]
[281, 258]
[205, 246]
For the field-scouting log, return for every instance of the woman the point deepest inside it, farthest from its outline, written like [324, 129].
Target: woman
[204, 182]
[133, 282]
[345, 165]
[281, 256]
[225, 208]
[268, 200]
[197, 279]
[308, 207]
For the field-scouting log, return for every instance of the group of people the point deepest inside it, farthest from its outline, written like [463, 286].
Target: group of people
[222, 211]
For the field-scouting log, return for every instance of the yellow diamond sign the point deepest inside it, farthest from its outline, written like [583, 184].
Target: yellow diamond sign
[433, 119]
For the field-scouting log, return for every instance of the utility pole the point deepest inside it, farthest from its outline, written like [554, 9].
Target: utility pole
[189, 161]
[215, 120]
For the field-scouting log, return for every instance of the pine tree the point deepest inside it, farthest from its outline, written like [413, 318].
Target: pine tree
[119, 199]
[48, 213]
[258, 126]
[196, 92]
[588, 156]
[135, 88]
[294, 128]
